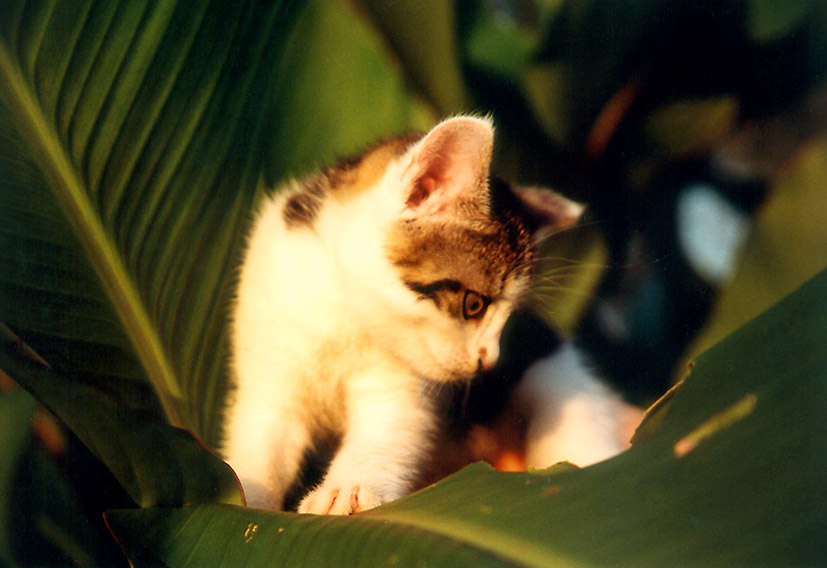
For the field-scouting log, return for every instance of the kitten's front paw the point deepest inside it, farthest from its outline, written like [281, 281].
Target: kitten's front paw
[331, 499]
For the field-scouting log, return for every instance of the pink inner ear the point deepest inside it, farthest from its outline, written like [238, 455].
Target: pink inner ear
[450, 164]
[421, 191]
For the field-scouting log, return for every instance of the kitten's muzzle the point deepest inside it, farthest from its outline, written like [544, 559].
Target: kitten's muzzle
[487, 358]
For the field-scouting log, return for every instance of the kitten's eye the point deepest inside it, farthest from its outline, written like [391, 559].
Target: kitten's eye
[474, 305]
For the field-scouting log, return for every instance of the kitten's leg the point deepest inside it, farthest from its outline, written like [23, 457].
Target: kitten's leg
[265, 446]
[573, 416]
[389, 431]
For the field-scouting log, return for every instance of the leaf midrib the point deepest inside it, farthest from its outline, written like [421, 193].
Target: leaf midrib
[101, 252]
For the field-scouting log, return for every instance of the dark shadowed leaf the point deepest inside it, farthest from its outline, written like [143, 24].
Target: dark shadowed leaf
[157, 464]
[571, 264]
[16, 409]
[769, 20]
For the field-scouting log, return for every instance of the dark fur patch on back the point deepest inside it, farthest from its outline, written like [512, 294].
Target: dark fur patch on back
[354, 174]
[301, 209]
[348, 176]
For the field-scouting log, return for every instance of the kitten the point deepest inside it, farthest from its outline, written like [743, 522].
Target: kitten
[365, 289]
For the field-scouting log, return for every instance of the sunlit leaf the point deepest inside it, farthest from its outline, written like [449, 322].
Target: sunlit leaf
[132, 137]
[233, 536]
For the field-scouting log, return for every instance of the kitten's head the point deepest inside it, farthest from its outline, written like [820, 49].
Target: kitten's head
[462, 246]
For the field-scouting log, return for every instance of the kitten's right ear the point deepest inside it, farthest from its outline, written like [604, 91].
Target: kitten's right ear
[449, 167]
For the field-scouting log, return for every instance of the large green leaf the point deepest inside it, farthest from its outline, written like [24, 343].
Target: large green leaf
[257, 538]
[158, 465]
[132, 136]
[732, 473]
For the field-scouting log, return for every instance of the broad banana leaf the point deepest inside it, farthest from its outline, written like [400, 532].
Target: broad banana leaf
[131, 143]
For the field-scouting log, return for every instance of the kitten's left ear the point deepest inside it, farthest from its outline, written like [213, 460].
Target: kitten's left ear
[449, 167]
[547, 212]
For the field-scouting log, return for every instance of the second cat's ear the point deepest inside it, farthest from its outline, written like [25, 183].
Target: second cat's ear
[449, 167]
[547, 212]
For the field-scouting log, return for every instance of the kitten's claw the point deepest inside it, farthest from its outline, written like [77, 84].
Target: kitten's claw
[338, 501]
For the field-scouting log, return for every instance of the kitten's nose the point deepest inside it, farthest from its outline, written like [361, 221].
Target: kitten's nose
[487, 357]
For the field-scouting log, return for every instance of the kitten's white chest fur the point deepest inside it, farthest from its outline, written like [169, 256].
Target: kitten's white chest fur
[304, 363]
[362, 289]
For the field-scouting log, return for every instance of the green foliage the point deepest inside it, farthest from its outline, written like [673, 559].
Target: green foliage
[112, 115]
[15, 410]
[329, 47]
[785, 248]
[133, 141]
[158, 465]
